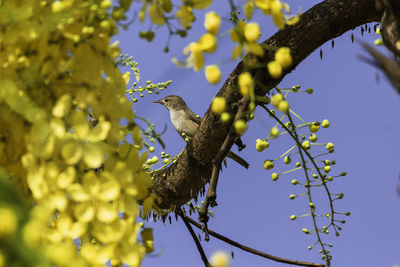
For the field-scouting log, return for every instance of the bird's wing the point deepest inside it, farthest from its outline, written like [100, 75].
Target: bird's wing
[194, 117]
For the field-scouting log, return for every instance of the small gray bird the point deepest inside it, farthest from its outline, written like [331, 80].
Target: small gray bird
[185, 121]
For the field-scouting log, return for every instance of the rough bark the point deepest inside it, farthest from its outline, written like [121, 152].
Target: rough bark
[183, 180]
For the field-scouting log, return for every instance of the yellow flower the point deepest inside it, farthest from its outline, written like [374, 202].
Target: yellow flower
[220, 259]
[95, 197]
[252, 32]
[279, 21]
[185, 16]
[8, 222]
[196, 55]
[330, 147]
[283, 57]
[105, 4]
[218, 105]
[212, 22]
[213, 74]
[58, 6]
[240, 127]
[225, 117]
[268, 165]
[314, 128]
[274, 69]
[274, 132]
[93, 155]
[264, 6]
[276, 99]
[276, 7]
[207, 43]
[261, 145]
[62, 106]
[156, 14]
[246, 84]
[283, 106]
[306, 145]
[325, 124]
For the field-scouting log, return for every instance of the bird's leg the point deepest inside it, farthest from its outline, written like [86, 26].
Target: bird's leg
[239, 143]
[210, 197]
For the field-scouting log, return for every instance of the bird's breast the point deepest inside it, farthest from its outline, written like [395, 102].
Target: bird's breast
[182, 123]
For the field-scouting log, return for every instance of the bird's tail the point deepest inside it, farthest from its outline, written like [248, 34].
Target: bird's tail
[238, 159]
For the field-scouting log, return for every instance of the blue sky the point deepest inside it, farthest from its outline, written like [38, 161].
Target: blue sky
[253, 209]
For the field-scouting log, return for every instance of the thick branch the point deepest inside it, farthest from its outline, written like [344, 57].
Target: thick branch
[184, 179]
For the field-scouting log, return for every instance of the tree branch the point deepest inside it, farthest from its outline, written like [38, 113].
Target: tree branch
[252, 250]
[183, 180]
[196, 240]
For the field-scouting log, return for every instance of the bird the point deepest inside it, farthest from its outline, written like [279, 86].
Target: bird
[186, 122]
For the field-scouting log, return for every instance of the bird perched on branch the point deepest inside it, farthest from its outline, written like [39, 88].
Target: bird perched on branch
[186, 122]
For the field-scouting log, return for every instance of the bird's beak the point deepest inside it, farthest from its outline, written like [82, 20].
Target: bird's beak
[158, 101]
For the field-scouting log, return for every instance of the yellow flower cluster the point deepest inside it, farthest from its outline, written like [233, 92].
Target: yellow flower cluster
[207, 43]
[273, 8]
[247, 36]
[283, 60]
[280, 103]
[58, 69]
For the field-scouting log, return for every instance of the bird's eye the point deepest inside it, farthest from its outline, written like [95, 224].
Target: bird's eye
[166, 100]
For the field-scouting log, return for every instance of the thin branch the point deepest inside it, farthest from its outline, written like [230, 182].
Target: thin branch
[254, 251]
[196, 240]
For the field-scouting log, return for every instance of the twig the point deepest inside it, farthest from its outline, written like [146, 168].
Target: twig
[254, 251]
[212, 189]
[196, 240]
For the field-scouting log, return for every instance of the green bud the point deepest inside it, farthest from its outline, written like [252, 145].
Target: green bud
[296, 88]
[269, 165]
[327, 168]
[313, 138]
